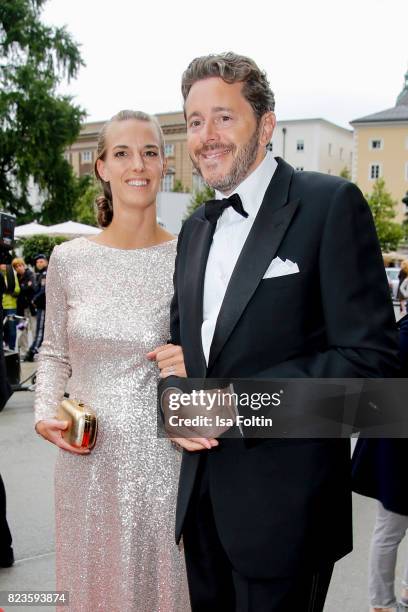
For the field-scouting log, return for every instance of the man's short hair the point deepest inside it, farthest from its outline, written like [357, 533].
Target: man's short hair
[232, 68]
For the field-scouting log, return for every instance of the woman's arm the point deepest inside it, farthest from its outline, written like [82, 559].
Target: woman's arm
[54, 367]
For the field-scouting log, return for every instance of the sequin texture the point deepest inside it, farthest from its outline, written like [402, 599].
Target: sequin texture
[106, 308]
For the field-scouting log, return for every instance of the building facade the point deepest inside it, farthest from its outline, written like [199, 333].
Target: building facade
[314, 144]
[308, 144]
[381, 150]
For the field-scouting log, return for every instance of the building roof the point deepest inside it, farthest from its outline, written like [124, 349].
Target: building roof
[399, 112]
[314, 120]
[396, 113]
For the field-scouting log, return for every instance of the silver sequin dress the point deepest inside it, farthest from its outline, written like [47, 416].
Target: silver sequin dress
[106, 308]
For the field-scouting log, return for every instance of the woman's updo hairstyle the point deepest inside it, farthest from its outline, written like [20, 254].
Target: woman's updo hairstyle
[103, 203]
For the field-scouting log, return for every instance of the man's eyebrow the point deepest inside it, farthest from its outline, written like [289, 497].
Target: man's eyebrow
[119, 146]
[215, 109]
[193, 114]
[218, 109]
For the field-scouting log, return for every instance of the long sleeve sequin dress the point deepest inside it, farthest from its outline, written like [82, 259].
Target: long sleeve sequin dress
[115, 549]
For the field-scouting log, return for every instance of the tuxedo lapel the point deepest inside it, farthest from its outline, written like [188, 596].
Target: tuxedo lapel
[267, 232]
[200, 239]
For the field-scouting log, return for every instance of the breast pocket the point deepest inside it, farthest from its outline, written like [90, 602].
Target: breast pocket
[289, 280]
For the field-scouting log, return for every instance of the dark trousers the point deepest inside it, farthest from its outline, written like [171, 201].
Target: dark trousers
[10, 329]
[39, 332]
[5, 535]
[216, 587]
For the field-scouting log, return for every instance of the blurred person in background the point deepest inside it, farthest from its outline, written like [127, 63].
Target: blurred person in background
[9, 301]
[25, 306]
[379, 471]
[6, 550]
[403, 273]
[41, 264]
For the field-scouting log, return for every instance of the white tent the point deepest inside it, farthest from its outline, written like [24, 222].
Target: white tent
[30, 229]
[72, 229]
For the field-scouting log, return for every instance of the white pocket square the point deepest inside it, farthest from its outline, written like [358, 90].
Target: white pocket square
[280, 267]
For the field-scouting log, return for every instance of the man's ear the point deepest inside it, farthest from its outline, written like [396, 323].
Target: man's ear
[100, 166]
[268, 123]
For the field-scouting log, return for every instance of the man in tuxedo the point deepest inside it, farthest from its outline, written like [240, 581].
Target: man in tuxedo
[263, 521]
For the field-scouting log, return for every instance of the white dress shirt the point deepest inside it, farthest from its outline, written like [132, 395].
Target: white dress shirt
[230, 235]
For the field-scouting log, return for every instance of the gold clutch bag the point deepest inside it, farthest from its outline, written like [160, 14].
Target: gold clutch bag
[82, 423]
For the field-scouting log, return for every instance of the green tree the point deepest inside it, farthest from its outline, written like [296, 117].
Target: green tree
[198, 198]
[345, 173]
[179, 187]
[40, 244]
[36, 124]
[84, 207]
[382, 207]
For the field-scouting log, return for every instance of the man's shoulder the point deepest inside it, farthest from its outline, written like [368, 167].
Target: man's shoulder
[321, 189]
[197, 215]
[310, 178]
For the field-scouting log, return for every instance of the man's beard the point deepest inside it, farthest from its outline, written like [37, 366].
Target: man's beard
[240, 166]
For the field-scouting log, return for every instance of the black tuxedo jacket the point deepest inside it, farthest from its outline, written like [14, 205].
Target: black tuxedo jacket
[282, 503]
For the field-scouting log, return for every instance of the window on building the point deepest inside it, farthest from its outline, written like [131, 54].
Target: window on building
[299, 168]
[300, 145]
[168, 182]
[330, 149]
[341, 153]
[169, 150]
[198, 182]
[374, 171]
[86, 157]
[376, 143]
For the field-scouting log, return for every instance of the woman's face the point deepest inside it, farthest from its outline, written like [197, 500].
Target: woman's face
[20, 268]
[133, 163]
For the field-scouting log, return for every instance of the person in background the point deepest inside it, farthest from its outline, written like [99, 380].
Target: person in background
[403, 273]
[379, 472]
[6, 550]
[9, 301]
[41, 264]
[25, 306]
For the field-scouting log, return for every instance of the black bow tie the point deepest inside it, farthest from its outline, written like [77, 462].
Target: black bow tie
[215, 208]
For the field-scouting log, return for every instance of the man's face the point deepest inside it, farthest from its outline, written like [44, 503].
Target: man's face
[225, 141]
[41, 264]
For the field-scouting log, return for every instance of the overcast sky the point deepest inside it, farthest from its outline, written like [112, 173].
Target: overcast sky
[337, 60]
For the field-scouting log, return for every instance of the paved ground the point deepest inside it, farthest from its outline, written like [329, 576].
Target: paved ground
[26, 464]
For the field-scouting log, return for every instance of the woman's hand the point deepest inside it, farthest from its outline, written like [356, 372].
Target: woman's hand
[51, 430]
[170, 360]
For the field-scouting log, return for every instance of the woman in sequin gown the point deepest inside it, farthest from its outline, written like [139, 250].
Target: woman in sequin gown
[107, 307]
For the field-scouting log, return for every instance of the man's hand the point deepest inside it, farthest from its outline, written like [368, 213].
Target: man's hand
[51, 430]
[170, 360]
